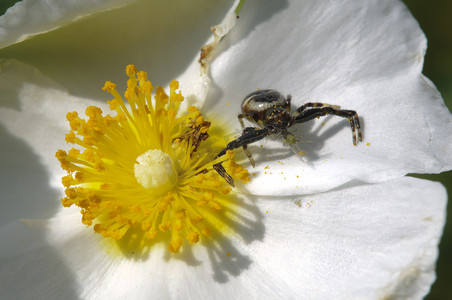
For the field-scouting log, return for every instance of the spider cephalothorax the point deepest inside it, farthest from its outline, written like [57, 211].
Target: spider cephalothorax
[270, 110]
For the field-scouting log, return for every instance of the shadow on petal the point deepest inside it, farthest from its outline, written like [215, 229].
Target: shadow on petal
[31, 268]
[225, 258]
[24, 182]
[244, 225]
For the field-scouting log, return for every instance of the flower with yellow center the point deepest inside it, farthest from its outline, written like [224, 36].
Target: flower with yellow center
[347, 213]
[147, 169]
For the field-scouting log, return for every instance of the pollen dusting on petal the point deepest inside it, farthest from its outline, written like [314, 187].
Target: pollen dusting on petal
[148, 169]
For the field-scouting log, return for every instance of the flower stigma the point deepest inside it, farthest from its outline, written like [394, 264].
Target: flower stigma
[155, 171]
[148, 170]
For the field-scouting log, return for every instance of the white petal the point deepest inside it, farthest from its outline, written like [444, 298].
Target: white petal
[370, 242]
[366, 57]
[161, 38]
[28, 18]
[363, 242]
[33, 125]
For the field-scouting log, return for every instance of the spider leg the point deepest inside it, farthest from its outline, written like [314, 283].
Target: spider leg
[249, 135]
[240, 117]
[351, 115]
[315, 104]
[222, 171]
[247, 152]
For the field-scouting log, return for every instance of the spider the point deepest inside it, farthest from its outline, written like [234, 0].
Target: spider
[270, 110]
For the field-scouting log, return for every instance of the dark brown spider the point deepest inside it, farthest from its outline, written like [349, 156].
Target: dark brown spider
[270, 110]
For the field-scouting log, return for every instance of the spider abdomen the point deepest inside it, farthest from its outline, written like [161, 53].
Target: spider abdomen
[256, 105]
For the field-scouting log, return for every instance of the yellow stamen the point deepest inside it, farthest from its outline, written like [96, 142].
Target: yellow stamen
[149, 168]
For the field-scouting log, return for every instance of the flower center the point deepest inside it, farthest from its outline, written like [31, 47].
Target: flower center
[155, 172]
[127, 190]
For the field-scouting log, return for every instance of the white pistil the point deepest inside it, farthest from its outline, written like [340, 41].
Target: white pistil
[155, 171]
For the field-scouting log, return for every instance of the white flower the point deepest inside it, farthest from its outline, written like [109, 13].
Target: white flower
[343, 224]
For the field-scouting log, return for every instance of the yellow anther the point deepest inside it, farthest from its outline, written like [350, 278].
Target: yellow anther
[160, 96]
[70, 193]
[93, 111]
[142, 76]
[67, 180]
[114, 104]
[66, 202]
[89, 140]
[131, 70]
[164, 227]
[174, 85]
[147, 88]
[193, 237]
[74, 152]
[61, 155]
[109, 87]
[131, 93]
[71, 115]
[80, 177]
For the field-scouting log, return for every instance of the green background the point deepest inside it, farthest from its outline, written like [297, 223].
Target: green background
[435, 19]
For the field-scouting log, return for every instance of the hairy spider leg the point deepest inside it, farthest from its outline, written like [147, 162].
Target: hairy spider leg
[248, 154]
[241, 117]
[245, 147]
[351, 115]
[249, 135]
[315, 104]
[221, 170]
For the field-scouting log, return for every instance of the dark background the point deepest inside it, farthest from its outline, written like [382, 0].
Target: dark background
[435, 19]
